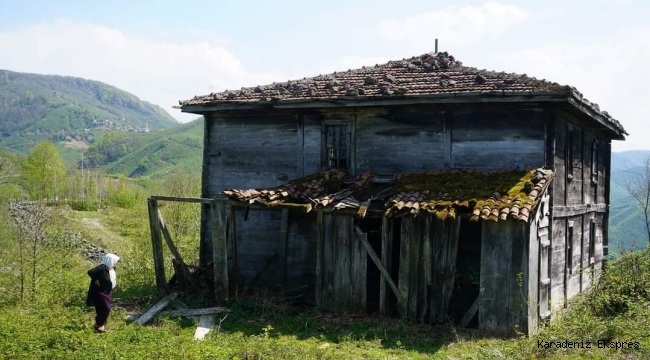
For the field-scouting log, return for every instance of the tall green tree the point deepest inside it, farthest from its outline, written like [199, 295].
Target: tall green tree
[43, 171]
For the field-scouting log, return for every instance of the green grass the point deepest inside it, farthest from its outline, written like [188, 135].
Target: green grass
[262, 325]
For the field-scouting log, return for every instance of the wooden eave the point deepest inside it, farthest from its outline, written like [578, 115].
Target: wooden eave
[372, 101]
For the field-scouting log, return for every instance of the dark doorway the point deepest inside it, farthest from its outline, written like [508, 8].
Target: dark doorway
[372, 228]
[468, 270]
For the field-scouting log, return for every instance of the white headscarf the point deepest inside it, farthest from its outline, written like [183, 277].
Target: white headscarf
[110, 260]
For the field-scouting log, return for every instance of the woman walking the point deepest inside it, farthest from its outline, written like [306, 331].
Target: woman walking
[102, 281]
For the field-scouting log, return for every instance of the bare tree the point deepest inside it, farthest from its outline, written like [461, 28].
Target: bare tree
[639, 186]
[8, 171]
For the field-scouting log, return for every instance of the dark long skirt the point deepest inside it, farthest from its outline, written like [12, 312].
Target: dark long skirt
[102, 308]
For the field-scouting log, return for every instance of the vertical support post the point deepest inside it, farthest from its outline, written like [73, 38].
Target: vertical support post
[386, 260]
[219, 255]
[233, 232]
[284, 236]
[156, 243]
[319, 257]
[405, 262]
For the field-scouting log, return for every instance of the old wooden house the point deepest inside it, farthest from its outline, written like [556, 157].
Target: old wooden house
[419, 188]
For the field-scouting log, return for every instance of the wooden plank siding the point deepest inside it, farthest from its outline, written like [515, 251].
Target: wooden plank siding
[427, 266]
[481, 142]
[343, 267]
[409, 140]
[503, 295]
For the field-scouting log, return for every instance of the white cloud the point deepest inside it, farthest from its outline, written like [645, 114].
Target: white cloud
[614, 76]
[161, 72]
[354, 62]
[461, 26]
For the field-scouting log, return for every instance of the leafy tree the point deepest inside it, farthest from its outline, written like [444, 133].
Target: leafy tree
[639, 187]
[8, 170]
[44, 171]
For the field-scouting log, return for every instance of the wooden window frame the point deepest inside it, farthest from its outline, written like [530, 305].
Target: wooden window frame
[594, 162]
[325, 159]
[569, 246]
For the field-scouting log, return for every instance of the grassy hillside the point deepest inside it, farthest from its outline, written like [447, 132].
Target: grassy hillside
[150, 155]
[35, 107]
[626, 223]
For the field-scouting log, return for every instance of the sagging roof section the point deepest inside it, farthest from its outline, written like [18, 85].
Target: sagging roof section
[484, 194]
[425, 75]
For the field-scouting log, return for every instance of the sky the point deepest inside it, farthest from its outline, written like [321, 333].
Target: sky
[165, 51]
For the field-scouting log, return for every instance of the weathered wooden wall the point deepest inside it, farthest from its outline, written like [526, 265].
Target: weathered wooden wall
[503, 288]
[497, 138]
[343, 267]
[427, 264]
[578, 197]
[405, 140]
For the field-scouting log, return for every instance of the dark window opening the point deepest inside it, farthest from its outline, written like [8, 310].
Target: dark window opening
[337, 146]
[594, 162]
[468, 270]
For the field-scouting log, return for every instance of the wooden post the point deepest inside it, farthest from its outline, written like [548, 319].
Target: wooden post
[319, 257]
[284, 237]
[183, 272]
[233, 232]
[385, 275]
[386, 260]
[156, 243]
[219, 255]
[405, 260]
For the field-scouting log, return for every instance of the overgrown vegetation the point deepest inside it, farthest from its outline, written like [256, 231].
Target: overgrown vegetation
[55, 324]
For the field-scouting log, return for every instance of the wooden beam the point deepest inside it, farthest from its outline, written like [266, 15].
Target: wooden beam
[206, 324]
[384, 273]
[319, 258]
[469, 314]
[219, 256]
[301, 144]
[156, 244]
[386, 260]
[194, 312]
[187, 278]
[182, 199]
[284, 237]
[233, 233]
[446, 140]
[156, 308]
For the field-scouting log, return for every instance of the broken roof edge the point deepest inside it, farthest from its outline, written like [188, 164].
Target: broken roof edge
[570, 96]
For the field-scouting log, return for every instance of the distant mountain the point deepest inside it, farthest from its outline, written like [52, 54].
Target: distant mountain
[150, 155]
[626, 221]
[72, 111]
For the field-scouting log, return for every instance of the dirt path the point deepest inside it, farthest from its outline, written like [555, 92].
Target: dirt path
[100, 234]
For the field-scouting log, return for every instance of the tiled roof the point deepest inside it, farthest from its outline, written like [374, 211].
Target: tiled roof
[428, 74]
[494, 195]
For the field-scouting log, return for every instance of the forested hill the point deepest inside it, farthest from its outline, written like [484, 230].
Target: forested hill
[36, 107]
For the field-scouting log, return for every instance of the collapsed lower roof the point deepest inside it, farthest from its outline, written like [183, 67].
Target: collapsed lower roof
[482, 194]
